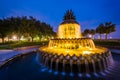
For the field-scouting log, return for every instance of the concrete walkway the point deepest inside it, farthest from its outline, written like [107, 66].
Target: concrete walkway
[7, 54]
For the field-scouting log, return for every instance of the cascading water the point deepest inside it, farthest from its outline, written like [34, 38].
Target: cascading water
[71, 53]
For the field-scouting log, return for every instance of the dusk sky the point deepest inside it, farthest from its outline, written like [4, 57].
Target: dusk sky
[89, 13]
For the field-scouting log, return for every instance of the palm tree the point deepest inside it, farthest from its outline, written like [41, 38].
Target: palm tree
[109, 28]
[100, 29]
[86, 32]
[92, 32]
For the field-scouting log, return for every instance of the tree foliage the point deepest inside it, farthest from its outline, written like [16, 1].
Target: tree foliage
[109, 28]
[89, 31]
[100, 29]
[106, 29]
[24, 26]
[4, 28]
[86, 32]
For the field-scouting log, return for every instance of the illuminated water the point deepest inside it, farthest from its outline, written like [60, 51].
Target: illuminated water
[29, 68]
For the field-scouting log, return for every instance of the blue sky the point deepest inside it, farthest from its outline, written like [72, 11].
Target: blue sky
[89, 13]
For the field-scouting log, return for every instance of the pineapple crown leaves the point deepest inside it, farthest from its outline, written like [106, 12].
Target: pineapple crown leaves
[69, 15]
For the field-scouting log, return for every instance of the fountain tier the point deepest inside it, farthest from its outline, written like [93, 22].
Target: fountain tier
[78, 62]
[73, 43]
[69, 52]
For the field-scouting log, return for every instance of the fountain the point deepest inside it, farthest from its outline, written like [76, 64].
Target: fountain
[71, 53]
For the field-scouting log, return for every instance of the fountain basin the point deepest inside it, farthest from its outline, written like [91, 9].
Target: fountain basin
[28, 67]
[71, 52]
[76, 62]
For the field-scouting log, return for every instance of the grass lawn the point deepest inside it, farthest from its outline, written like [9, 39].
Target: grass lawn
[107, 42]
[115, 44]
[11, 45]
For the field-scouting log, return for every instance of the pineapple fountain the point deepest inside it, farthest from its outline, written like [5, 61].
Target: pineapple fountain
[70, 52]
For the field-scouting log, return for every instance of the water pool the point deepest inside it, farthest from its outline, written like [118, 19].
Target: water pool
[27, 67]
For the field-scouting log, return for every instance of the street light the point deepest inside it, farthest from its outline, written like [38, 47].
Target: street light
[14, 37]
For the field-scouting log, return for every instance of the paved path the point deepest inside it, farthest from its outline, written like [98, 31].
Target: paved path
[7, 54]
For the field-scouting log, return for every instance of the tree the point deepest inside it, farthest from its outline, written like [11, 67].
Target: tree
[4, 30]
[47, 30]
[24, 26]
[92, 32]
[11, 28]
[31, 29]
[16, 26]
[100, 29]
[109, 28]
[86, 32]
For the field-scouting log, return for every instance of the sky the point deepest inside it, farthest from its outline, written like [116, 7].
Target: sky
[89, 13]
